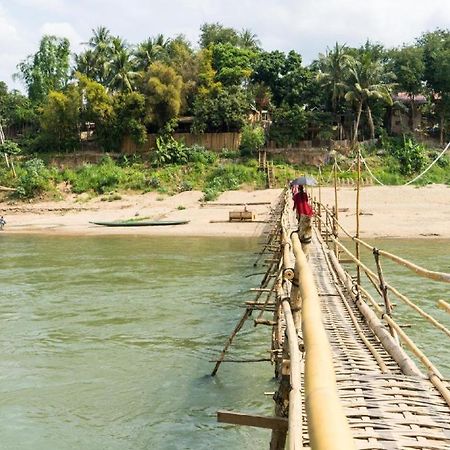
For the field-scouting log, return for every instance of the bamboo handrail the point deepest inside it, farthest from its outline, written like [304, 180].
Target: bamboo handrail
[405, 363]
[421, 271]
[434, 374]
[327, 425]
[372, 276]
[432, 275]
[399, 295]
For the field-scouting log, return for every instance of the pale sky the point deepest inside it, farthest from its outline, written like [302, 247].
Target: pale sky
[307, 26]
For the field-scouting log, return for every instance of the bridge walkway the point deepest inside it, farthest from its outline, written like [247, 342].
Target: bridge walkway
[385, 409]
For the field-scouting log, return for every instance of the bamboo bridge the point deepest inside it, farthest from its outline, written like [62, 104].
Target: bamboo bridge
[349, 375]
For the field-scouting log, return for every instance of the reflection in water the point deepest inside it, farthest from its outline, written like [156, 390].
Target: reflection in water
[106, 342]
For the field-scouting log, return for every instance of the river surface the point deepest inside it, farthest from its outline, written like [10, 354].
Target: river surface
[106, 341]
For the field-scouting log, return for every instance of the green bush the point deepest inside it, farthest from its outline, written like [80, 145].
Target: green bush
[410, 154]
[100, 178]
[33, 178]
[252, 139]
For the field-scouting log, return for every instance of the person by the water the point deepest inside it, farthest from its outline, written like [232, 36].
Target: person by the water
[2, 223]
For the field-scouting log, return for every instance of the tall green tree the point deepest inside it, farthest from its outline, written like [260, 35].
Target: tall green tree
[333, 73]
[121, 75]
[16, 110]
[162, 87]
[368, 80]
[47, 69]
[408, 65]
[215, 33]
[60, 120]
[233, 64]
[436, 50]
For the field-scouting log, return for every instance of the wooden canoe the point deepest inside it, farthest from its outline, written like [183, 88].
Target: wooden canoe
[141, 223]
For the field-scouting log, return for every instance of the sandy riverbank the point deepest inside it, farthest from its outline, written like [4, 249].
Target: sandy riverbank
[388, 211]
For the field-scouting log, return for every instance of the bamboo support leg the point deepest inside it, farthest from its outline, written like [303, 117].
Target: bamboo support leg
[240, 324]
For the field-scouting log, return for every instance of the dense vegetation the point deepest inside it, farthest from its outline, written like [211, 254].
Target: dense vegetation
[113, 89]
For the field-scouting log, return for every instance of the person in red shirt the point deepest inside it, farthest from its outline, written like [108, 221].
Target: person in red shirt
[301, 203]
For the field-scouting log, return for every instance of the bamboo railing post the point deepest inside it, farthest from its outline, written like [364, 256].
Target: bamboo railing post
[358, 188]
[384, 291]
[335, 230]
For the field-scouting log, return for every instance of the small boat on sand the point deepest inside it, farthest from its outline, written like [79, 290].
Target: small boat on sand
[141, 223]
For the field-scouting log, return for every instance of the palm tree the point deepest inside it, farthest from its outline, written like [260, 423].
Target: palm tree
[332, 75]
[95, 61]
[367, 80]
[121, 71]
[247, 39]
[333, 72]
[146, 53]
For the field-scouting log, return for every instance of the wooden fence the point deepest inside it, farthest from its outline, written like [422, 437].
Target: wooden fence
[211, 141]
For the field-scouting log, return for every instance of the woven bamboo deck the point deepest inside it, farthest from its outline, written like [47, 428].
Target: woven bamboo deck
[385, 408]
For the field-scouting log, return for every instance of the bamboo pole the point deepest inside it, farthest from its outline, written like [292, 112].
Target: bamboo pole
[405, 363]
[241, 322]
[397, 293]
[436, 276]
[327, 424]
[444, 305]
[295, 400]
[358, 189]
[336, 208]
[434, 374]
[384, 290]
[432, 275]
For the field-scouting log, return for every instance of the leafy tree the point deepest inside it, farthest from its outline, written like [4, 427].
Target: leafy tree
[47, 69]
[162, 87]
[16, 110]
[289, 125]
[283, 74]
[408, 66]
[95, 62]
[215, 33]
[233, 65]
[269, 69]
[146, 53]
[185, 61]
[122, 75]
[222, 110]
[130, 113]
[208, 85]
[60, 118]
[252, 139]
[436, 50]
